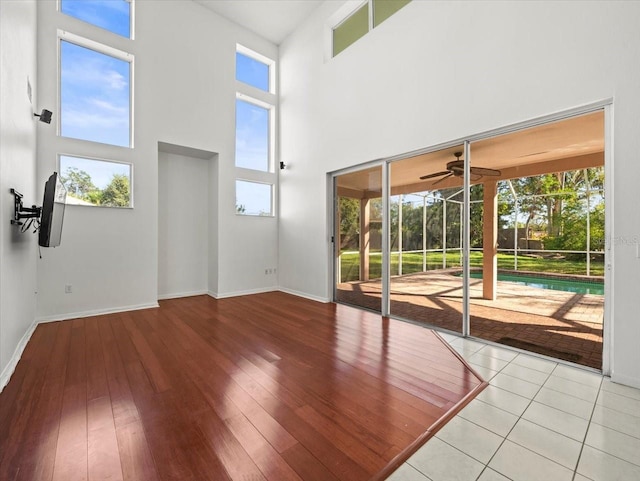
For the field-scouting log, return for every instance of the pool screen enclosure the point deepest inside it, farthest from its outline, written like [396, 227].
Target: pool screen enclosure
[526, 199]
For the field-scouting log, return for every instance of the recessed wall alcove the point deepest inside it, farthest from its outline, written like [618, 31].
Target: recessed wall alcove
[187, 221]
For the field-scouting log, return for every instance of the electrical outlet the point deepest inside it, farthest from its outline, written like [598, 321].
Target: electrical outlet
[68, 289]
[274, 270]
[266, 272]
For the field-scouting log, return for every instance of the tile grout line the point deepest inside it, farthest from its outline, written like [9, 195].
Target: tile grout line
[504, 439]
[584, 440]
[531, 400]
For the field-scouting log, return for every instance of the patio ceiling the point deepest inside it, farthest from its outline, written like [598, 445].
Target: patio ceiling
[571, 144]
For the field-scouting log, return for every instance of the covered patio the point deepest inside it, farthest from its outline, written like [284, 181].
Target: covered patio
[559, 324]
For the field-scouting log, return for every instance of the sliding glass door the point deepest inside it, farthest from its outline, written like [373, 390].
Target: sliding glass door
[537, 239]
[358, 238]
[501, 238]
[425, 219]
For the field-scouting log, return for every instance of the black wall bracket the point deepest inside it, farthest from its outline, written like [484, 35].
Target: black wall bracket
[20, 212]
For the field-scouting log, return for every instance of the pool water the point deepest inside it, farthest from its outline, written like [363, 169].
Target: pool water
[567, 285]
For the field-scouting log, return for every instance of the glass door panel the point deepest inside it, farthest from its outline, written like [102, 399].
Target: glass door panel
[358, 239]
[537, 239]
[426, 205]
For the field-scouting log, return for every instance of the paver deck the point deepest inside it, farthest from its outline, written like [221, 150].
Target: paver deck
[559, 324]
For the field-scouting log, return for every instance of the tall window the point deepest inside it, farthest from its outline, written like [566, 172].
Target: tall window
[255, 135]
[96, 89]
[95, 92]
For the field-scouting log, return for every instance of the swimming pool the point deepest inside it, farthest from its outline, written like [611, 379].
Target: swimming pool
[568, 285]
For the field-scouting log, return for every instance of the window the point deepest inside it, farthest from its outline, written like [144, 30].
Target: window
[351, 29]
[368, 15]
[254, 198]
[383, 9]
[95, 92]
[252, 72]
[94, 182]
[112, 15]
[252, 136]
[256, 101]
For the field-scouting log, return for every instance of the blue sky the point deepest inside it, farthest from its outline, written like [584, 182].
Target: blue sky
[252, 136]
[95, 88]
[255, 197]
[112, 15]
[94, 93]
[95, 101]
[252, 72]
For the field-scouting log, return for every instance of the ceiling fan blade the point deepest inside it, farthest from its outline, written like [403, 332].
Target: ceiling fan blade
[484, 171]
[445, 177]
[437, 174]
[475, 177]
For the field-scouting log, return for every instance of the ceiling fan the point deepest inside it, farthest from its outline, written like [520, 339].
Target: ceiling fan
[456, 168]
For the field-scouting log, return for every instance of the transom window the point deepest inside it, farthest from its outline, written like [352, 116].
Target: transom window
[112, 15]
[365, 17]
[252, 72]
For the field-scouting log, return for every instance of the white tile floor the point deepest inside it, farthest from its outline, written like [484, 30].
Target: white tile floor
[537, 420]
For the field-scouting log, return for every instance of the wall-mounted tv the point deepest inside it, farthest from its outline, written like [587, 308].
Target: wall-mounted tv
[55, 196]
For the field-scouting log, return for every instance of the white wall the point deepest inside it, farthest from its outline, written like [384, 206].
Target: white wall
[18, 170]
[183, 225]
[439, 71]
[184, 95]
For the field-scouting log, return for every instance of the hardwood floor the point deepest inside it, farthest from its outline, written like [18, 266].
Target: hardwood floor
[261, 387]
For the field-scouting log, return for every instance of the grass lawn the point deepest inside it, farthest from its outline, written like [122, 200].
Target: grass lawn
[412, 262]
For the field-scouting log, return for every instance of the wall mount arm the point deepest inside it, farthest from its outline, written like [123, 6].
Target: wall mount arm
[20, 212]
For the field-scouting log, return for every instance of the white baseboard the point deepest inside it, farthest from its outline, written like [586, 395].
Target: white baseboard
[626, 380]
[224, 295]
[17, 354]
[293, 292]
[178, 295]
[96, 312]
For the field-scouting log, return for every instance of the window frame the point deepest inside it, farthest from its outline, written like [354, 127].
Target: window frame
[98, 159]
[131, 19]
[270, 108]
[350, 8]
[65, 36]
[272, 213]
[270, 63]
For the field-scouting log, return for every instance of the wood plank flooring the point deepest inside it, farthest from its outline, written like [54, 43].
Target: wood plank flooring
[261, 387]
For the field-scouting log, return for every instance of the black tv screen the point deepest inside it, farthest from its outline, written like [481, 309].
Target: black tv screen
[55, 196]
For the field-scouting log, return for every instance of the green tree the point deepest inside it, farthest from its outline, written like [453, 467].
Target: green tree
[116, 194]
[78, 182]
[349, 223]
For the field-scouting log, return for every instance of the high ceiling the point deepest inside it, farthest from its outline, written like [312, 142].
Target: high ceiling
[271, 19]
[570, 144]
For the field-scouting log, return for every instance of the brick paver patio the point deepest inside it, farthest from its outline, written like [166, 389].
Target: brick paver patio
[559, 324]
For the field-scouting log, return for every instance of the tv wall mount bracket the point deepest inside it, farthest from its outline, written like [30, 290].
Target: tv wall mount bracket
[20, 212]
